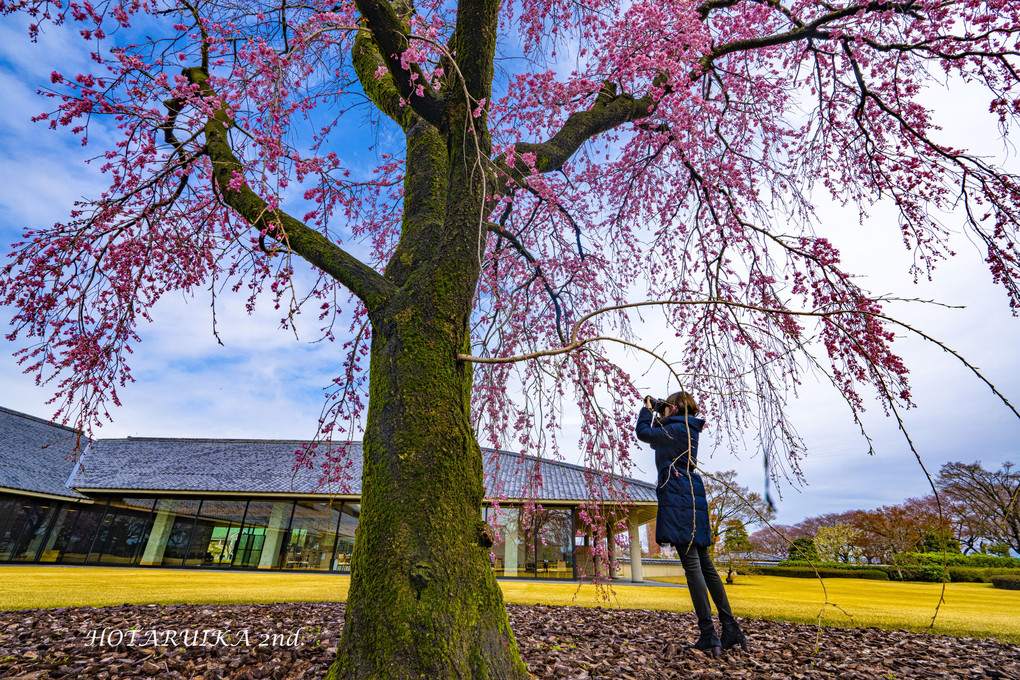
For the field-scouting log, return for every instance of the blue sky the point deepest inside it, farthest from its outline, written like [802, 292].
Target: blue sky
[266, 383]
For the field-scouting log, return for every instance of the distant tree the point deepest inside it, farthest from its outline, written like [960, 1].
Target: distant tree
[968, 526]
[773, 540]
[938, 541]
[1000, 549]
[804, 549]
[991, 499]
[871, 545]
[728, 502]
[736, 548]
[893, 529]
[837, 543]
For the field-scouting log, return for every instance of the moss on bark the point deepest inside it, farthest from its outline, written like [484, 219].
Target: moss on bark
[424, 602]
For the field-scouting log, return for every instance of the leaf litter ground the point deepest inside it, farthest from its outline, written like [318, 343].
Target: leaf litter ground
[299, 641]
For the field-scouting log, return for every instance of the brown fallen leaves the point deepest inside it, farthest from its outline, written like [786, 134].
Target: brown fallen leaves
[296, 641]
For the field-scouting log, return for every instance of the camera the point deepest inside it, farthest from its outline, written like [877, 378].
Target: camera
[658, 405]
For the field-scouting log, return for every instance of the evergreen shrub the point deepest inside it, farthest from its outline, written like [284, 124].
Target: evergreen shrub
[1006, 582]
[979, 574]
[926, 573]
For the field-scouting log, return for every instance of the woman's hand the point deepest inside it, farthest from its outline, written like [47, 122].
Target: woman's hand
[648, 403]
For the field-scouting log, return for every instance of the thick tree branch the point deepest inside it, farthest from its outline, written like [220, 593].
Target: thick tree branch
[383, 91]
[803, 31]
[610, 110]
[474, 45]
[390, 34]
[367, 284]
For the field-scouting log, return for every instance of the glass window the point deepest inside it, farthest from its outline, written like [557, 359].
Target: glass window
[540, 546]
[586, 539]
[36, 514]
[262, 543]
[312, 535]
[12, 521]
[345, 537]
[217, 533]
[510, 550]
[553, 549]
[71, 538]
[124, 531]
[171, 532]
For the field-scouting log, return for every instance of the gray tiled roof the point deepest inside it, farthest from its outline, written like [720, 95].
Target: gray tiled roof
[266, 466]
[35, 455]
[262, 466]
[559, 480]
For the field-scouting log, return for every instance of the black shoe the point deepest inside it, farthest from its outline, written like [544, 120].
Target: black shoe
[733, 636]
[709, 645]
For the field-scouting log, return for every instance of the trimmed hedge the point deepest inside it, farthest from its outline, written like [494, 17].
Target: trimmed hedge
[958, 560]
[1006, 582]
[829, 565]
[926, 573]
[825, 572]
[979, 574]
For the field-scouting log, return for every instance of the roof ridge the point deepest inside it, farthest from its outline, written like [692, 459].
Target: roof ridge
[37, 419]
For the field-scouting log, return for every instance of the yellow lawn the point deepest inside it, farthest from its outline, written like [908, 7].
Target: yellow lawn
[971, 609]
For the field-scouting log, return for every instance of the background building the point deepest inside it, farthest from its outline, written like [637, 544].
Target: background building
[243, 504]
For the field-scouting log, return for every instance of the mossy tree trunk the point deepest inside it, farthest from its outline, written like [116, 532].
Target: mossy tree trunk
[424, 602]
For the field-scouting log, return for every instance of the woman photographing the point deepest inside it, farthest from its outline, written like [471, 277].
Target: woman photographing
[672, 428]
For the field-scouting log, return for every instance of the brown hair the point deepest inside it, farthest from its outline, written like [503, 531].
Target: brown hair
[683, 403]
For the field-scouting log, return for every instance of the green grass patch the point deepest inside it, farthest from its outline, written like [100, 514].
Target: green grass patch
[970, 609]
[47, 587]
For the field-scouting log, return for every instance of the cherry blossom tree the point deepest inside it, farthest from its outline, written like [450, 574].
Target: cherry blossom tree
[562, 168]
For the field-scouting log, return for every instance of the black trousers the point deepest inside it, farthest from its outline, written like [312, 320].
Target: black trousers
[703, 580]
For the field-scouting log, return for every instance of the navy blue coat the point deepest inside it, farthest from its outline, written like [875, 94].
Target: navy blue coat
[683, 508]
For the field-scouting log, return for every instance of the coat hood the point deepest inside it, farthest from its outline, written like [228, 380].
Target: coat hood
[695, 423]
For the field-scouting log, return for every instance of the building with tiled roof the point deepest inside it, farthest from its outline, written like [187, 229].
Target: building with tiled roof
[243, 504]
[35, 456]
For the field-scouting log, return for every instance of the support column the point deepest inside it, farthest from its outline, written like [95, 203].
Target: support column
[611, 549]
[635, 551]
[162, 524]
[510, 551]
[278, 519]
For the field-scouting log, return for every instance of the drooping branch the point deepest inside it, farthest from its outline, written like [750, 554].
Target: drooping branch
[554, 296]
[367, 284]
[577, 342]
